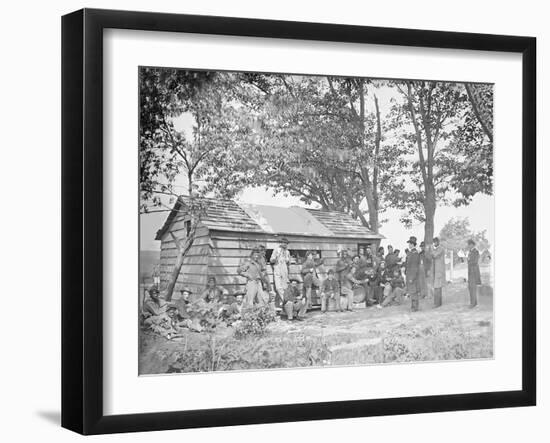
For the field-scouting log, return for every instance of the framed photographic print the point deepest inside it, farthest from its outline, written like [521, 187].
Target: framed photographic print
[310, 221]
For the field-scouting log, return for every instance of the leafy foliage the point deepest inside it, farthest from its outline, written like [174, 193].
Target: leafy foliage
[450, 159]
[322, 139]
[254, 321]
[253, 352]
[211, 156]
[457, 232]
[319, 142]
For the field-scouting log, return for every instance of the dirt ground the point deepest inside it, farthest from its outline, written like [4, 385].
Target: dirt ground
[365, 336]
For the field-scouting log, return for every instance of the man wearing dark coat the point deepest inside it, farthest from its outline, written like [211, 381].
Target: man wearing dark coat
[391, 259]
[330, 289]
[412, 273]
[295, 304]
[474, 276]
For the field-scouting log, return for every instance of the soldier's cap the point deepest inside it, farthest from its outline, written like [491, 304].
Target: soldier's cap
[186, 289]
[295, 279]
[255, 251]
[261, 247]
[331, 271]
[237, 293]
[412, 240]
[171, 306]
[154, 290]
[284, 240]
[212, 278]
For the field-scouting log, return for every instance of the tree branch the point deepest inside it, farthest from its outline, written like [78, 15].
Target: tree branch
[486, 130]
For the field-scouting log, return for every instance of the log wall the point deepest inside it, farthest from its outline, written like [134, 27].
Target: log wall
[220, 253]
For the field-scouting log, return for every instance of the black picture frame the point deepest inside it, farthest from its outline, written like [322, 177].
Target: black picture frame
[82, 220]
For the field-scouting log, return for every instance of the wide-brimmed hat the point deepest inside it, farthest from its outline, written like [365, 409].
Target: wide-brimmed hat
[412, 240]
[154, 290]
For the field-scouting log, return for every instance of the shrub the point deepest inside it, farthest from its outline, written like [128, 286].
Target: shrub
[254, 321]
[207, 313]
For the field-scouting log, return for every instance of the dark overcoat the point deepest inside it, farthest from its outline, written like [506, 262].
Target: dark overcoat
[474, 276]
[412, 271]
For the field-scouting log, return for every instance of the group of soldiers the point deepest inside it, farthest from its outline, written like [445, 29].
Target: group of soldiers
[169, 319]
[377, 275]
[380, 276]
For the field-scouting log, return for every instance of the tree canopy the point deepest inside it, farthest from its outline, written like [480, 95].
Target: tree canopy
[457, 231]
[326, 140]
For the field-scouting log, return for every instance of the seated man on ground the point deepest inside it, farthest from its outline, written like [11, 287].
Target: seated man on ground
[172, 327]
[382, 277]
[158, 316]
[295, 304]
[346, 289]
[394, 289]
[231, 312]
[330, 290]
[213, 293]
[185, 319]
[154, 309]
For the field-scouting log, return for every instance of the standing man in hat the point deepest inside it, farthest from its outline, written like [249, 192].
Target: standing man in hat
[412, 273]
[342, 265]
[438, 271]
[474, 275]
[253, 271]
[346, 287]
[280, 259]
[310, 277]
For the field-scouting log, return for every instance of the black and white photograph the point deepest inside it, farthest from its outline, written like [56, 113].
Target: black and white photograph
[294, 220]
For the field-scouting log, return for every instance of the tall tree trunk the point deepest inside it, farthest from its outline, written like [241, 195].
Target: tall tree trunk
[183, 248]
[429, 212]
[373, 209]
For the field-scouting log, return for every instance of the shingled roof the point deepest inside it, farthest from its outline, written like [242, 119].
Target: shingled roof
[228, 215]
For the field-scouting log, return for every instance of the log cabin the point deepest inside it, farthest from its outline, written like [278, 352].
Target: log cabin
[229, 230]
